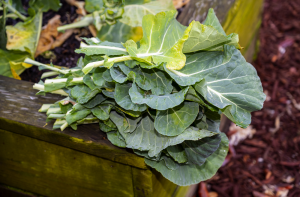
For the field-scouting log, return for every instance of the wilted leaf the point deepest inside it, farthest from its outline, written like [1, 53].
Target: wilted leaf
[24, 35]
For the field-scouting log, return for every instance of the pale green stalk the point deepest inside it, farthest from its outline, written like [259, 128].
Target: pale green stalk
[13, 10]
[30, 61]
[65, 125]
[92, 65]
[86, 21]
[45, 108]
[57, 116]
[49, 74]
[42, 88]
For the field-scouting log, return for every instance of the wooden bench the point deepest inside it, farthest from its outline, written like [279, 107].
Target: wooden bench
[42, 161]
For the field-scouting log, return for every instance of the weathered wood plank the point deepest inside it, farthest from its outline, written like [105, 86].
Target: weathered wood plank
[52, 170]
[19, 114]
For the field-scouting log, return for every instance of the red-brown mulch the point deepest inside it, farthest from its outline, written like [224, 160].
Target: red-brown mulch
[272, 154]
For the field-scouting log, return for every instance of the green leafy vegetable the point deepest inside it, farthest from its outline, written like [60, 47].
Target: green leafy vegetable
[156, 99]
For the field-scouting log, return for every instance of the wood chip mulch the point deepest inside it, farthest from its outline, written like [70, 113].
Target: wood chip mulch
[269, 163]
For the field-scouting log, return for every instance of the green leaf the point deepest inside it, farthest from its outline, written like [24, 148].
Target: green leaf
[198, 151]
[11, 56]
[87, 80]
[93, 5]
[164, 102]
[87, 97]
[117, 74]
[99, 98]
[212, 20]
[134, 13]
[96, 47]
[188, 174]
[177, 153]
[193, 96]
[24, 36]
[174, 121]
[107, 126]
[120, 32]
[231, 84]
[146, 138]
[107, 77]
[98, 76]
[115, 140]
[163, 39]
[102, 111]
[45, 5]
[203, 37]
[123, 99]
[109, 94]
[79, 91]
[77, 115]
[150, 79]
[124, 123]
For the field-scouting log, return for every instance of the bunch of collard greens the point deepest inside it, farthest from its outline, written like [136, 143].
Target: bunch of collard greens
[161, 97]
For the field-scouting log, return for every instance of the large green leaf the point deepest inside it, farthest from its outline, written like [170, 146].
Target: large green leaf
[124, 123]
[98, 76]
[145, 138]
[134, 13]
[233, 86]
[24, 36]
[102, 111]
[203, 37]
[120, 32]
[163, 39]
[94, 46]
[157, 102]
[188, 174]
[150, 79]
[123, 99]
[198, 151]
[174, 121]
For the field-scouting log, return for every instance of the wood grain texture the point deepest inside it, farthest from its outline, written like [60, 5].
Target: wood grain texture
[51, 170]
[19, 114]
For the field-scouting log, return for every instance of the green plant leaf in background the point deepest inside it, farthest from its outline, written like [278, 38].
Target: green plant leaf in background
[120, 32]
[192, 174]
[134, 12]
[45, 5]
[93, 5]
[24, 36]
[174, 121]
